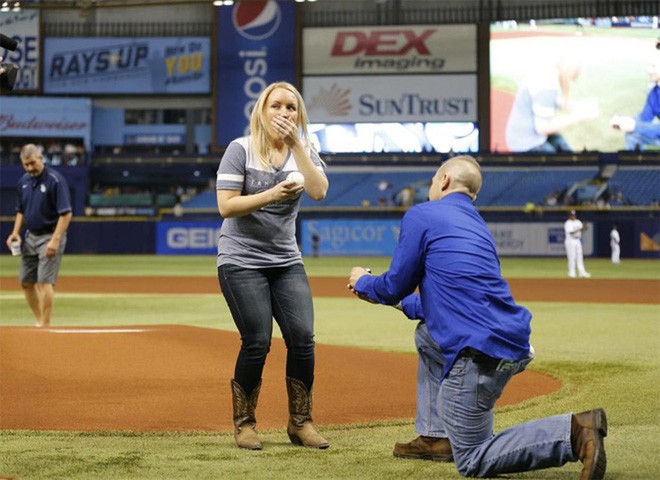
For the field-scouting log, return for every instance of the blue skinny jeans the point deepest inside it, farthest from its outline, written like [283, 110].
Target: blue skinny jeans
[255, 297]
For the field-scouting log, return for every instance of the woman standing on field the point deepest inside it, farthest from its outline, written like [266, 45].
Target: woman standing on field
[260, 268]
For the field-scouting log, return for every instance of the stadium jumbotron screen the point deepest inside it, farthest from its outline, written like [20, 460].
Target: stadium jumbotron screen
[570, 84]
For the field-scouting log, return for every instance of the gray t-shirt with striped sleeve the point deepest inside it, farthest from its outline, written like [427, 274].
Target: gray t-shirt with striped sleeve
[265, 237]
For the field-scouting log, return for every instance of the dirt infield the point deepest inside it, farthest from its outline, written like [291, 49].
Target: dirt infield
[176, 378]
[524, 289]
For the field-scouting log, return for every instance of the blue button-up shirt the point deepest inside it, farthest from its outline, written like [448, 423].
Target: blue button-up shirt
[645, 124]
[446, 249]
[43, 199]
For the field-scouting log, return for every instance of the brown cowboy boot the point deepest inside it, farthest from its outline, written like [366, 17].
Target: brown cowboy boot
[588, 429]
[244, 419]
[301, 429]
[425, 448]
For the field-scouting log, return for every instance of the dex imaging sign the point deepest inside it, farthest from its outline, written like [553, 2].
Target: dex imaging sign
[187, 238]
[392, 49]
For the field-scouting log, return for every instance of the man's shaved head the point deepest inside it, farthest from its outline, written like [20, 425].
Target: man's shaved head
[458, 174]
[466, 171]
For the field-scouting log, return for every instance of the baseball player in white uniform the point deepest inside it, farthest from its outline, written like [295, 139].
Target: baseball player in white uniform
[615, 240]
[573, 229]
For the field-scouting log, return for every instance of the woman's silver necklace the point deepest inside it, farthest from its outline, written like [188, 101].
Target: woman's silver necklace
[277, 168]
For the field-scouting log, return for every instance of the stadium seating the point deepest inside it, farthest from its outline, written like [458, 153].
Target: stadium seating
[502, 186]
[639, 186]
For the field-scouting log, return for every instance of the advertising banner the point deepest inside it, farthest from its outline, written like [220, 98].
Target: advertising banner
[256, 46]
[353, 238]
[393, 98]
[398, 49]
[648, 234]
[23, 27]
[187, 238]
[395, 137]
[345, 237]
[536, 239]
[127, 65]
[46, 117]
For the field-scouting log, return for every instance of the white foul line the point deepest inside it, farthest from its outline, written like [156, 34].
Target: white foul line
[96, 330]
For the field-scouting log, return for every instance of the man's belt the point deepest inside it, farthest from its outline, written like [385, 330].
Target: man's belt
[486, 361]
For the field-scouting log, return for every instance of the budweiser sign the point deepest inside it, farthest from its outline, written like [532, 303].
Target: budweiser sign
[9, 122]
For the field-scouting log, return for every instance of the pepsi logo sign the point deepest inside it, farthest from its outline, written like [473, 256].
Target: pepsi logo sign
[256, 20]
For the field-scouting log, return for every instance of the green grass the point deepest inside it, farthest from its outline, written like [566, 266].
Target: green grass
[194, 265]
[124, 265]
[606, 354]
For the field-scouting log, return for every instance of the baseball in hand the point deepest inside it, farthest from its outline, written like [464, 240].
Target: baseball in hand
[296, 177]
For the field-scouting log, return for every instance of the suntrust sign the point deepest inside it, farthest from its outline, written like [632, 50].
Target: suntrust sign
[394, 98]
[392, 49]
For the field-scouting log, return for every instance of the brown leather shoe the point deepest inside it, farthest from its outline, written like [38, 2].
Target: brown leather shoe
[588, 430]
[425, 448]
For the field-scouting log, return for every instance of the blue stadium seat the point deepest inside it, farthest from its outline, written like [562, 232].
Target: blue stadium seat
[640, 186]
[507, 187]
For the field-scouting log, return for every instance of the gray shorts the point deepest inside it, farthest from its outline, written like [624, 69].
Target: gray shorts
[36, 267]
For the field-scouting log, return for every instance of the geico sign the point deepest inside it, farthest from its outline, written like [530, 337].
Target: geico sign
[192, 237]
[381, 42]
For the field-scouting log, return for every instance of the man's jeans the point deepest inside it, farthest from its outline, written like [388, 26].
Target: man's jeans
[461, 408]
[637, 141]
[555, 143]
[254, 297]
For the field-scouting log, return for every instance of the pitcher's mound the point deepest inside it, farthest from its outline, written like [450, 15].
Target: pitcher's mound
[177, 378]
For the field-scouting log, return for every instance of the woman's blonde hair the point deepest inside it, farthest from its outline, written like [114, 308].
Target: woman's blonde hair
[259, 132]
